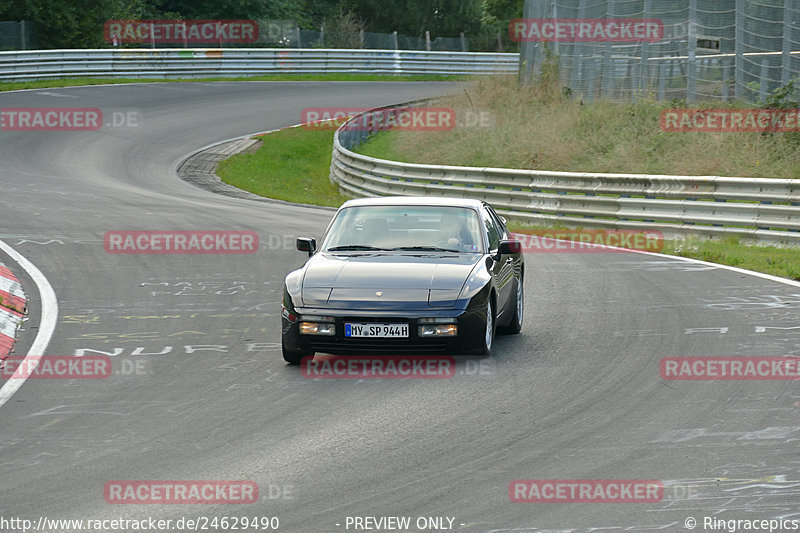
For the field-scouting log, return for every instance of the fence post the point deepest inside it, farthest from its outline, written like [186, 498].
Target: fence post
[691, 66]
[527, 49]
[591, 69]
[555, 16]
[738, 69]
[607, 66]
[726, 73]
[662, 80]
[764, 82]
[427, 40]
[464, 47]
[394, 40]
[577, 54]
[361, 37]
[297, 37]
[22, 35]
[786, 64]
[644, 69]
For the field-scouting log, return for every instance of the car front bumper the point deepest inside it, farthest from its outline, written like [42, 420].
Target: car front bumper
[469, 337]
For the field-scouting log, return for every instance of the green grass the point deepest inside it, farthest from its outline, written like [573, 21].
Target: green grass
[291, 165]
[74, 82]
[783, 262]
[382, 146]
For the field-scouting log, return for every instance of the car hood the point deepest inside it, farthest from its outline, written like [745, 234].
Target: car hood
[385, 281]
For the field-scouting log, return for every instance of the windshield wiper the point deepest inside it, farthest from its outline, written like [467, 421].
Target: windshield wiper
[348, 247]
[425, 249]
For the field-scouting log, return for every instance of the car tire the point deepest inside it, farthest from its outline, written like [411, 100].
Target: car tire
[515, 326]
[490, 327]
[293, 357]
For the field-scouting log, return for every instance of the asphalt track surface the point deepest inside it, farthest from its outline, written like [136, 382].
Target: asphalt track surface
[577, 395]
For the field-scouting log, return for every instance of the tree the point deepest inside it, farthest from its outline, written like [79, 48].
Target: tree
[71, 23]
[414, 17]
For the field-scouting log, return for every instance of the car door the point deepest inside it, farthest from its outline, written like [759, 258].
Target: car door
[502, 267]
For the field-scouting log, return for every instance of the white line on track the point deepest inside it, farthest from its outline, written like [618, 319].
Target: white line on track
[46, 327]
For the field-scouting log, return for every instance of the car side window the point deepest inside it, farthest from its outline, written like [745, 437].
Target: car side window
[499, 222]
[492, 230]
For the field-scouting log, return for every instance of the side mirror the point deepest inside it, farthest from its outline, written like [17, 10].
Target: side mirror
[509, 247]
[307, 244]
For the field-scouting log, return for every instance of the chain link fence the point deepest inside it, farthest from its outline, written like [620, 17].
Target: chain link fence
[278, 33]
[710, 49]
[286, 34]
[17, 36]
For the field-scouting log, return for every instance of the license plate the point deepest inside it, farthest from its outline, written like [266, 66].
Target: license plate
[371, 329]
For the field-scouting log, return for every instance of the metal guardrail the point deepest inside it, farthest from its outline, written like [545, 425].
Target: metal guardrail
[203, 62]
[762, 209]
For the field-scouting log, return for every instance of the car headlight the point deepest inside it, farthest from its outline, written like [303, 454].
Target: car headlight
[318, 326]
[437, 327]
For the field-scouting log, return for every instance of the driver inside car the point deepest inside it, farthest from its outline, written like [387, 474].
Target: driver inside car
[454, 234]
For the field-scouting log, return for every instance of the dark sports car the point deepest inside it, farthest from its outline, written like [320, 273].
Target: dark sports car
[401, 275]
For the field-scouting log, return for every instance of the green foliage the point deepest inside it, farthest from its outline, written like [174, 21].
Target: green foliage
[79, 23]
[343, 29]
[72, 23]
[498, 13]
[784, 97]
[413, 17]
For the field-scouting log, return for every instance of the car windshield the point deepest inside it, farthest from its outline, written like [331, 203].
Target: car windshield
[405, 228]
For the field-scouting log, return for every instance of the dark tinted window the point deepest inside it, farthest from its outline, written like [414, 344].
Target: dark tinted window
[492, 229]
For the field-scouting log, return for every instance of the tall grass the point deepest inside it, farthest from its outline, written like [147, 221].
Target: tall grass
[540, 127]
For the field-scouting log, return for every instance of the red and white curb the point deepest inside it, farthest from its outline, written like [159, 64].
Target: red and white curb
[12, 309]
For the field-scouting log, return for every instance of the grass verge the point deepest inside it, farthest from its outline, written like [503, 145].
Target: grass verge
[783, 262]
[291, 164]
[75, 82]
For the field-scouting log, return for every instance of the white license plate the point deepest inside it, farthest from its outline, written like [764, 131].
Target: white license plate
[371, 329]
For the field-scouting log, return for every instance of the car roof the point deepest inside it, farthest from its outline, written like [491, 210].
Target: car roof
[415, 200]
